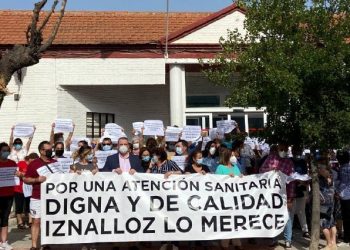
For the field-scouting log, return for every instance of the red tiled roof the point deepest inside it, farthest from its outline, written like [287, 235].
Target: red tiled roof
[91, 28]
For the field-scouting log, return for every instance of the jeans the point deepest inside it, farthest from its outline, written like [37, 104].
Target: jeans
[288, 230]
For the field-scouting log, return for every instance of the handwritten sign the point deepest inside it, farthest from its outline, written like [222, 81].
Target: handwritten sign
[172, 134]
[137, 126]
[180, 161]
[102, 157]
[113, 130]
[63, 126]
[49, 169]
[75, 140]
[7, 177]
[191, 133]
[226, 125]
[23, 130]
[153, 127]
[64, 164]
[205, 142]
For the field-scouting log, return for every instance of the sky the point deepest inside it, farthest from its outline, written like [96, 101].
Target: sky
[126, 5]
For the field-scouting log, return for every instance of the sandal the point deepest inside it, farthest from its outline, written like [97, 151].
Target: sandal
[21, 226]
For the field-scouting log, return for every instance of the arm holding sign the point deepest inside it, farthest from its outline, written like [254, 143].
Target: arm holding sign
[29, 142]
[11, 137]
[52, 134]
[68, 141]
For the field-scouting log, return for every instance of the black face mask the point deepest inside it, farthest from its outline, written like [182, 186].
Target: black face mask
[48, 153]
[59, 152]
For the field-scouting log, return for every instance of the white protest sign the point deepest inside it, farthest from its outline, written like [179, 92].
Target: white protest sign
[113, 130]
[107, 207]
[75, 142]
[102, 157]
[67, 154]
[214, 133]
[191, 133]
[63, 126]
[23, 130]
[299, 177]
[153, 127]
[172, 134]
[205, 142]
[7, 177]
[49, 169]
[226, 125]
[180, 161]
[64, 164]
[137, 126]
[27, 190]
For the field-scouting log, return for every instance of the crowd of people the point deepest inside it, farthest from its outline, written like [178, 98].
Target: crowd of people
[229, 155]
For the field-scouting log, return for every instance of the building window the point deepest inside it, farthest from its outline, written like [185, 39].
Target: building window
[95, 122]
[202, 101]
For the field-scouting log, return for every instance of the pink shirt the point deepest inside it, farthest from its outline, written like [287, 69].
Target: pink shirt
[124, 163]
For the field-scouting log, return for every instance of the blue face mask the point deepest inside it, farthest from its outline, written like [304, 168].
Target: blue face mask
[199, 161]
[90, 157]
[179, 151]
[146, 158]
[4, 155]
[18, 146]
[107, 147]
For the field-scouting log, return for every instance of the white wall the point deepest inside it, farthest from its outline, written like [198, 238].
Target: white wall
[38, 102]
[211, 33]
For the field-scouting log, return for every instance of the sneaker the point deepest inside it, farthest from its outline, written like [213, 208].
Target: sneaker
[306, 235]
[6, 246]
[288, 245]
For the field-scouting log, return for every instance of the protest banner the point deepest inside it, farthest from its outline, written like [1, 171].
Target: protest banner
[102, 157]
[64, 164]
[226, 125]
[191, 133]
[63, 126]
[146, 207]
[153, 127]
[7, 177]
[23, 130]
[180, 161]
[27, 190]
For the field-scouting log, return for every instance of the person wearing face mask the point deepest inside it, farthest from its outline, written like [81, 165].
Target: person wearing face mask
[18, 150]
[59, 150]
[6, 196]
[196, 165]
[85, 154]
[123, 161]
[105, 145]
[32, 178]
[211, 156]
[58, 137]
[280, 162]
[161, 165]
[145, 157]
[181, 148]
[136, 144]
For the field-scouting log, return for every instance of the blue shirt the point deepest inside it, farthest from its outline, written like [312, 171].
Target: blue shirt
[211, 163]
[343, 187]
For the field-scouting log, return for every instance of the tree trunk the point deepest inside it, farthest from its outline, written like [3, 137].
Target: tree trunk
[315, 222]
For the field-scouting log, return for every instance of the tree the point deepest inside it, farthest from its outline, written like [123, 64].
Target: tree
[21, 56]
[295, 61]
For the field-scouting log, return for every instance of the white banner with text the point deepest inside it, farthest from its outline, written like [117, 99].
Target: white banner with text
[108, 207]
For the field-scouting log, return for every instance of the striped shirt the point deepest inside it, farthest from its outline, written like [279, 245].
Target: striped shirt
[167, 166]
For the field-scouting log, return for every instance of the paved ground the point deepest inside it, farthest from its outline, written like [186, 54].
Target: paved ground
[20, 240]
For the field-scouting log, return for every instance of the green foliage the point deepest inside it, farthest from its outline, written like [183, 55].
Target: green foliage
[294, 61]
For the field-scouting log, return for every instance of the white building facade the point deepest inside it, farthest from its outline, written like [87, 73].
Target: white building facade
[98, 84]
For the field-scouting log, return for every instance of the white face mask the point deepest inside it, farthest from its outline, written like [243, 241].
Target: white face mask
[212, 150]
[123, 149]
[282, 154]
[233, 160]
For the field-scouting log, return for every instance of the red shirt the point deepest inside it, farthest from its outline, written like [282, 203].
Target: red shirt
[32, 173]
[7, 191]
[22, 167]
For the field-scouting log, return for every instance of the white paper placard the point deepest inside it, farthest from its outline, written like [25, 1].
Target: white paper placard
[153, 127]
[49, 169]
[64, 164]
[63, 126]
[205, 142]
[226, 125]
[113, 130]
[76, 140]
[23, 130]
[180, 160]
[191, 133]
[102, 157]
[7, 177]
[27, 190]
[137, 126]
